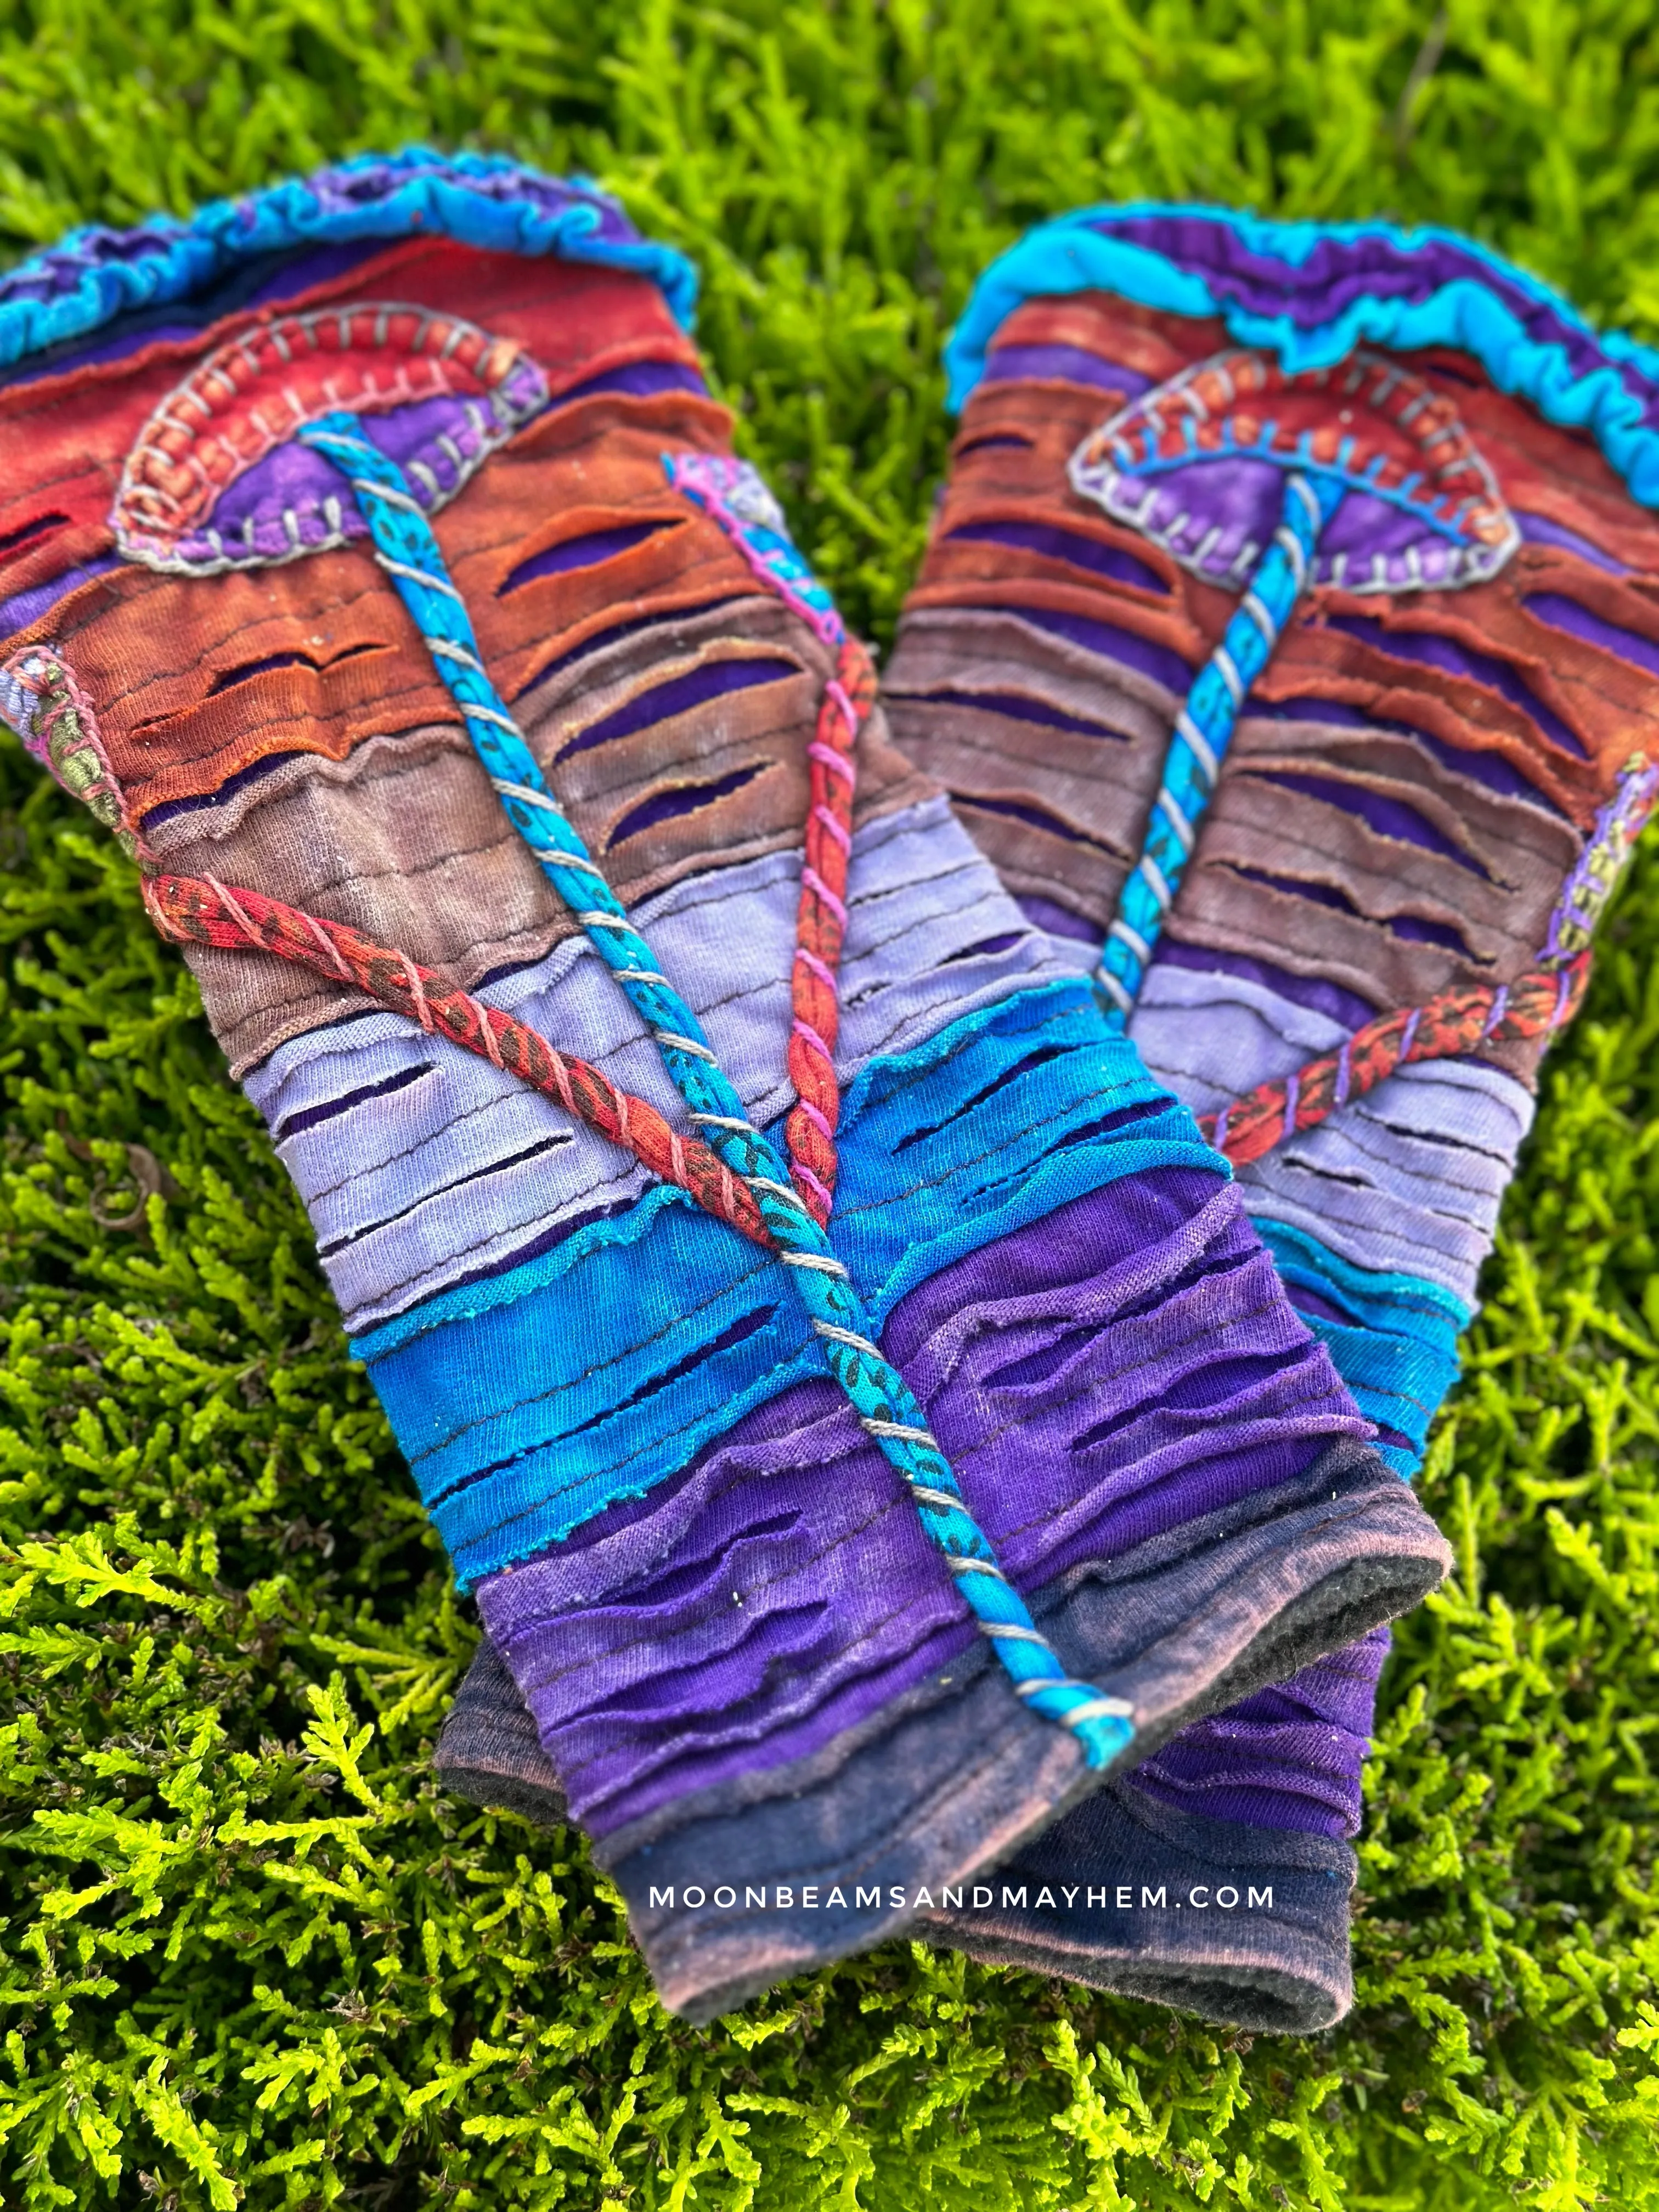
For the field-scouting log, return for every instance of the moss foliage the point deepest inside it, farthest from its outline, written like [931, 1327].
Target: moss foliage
[250, 1954]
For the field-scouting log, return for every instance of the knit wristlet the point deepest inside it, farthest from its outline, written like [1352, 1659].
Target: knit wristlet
[1284, 639]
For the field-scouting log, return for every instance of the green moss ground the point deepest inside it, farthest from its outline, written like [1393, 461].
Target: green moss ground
[248, 1953]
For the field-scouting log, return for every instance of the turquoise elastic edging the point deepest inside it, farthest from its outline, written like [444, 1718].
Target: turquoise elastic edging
[1069, 255]
[429, 197]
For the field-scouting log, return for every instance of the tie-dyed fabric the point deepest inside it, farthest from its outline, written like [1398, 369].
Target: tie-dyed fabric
[373, 563]
[1356, 937]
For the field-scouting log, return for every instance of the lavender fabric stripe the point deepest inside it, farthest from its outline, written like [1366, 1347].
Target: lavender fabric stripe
[799, 1605]
[1063, 364]
[1406, 1180]
[1386, 1202]
[25, 607]
[408, 1191]
[1316, 994]
[1221, 1034]
[1057, 921]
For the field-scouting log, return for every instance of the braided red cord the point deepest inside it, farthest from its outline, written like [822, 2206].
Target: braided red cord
[821, 928]
[1448, 1026]
[192, 911]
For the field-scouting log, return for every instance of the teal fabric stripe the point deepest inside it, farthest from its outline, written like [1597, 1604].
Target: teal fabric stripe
[944, 1149]
[1400, 1356]
[1068, 255]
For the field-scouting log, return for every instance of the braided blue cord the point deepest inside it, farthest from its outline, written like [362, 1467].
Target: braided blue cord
[407, 549]
[1203, 730]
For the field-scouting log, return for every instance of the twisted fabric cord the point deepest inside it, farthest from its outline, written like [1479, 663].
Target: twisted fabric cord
[821, 928]
[1452, 1024]
[1203, 730]
[886, 1407]
[194, 911]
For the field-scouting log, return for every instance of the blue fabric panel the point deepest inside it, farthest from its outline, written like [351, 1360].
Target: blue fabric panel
[526, 1404]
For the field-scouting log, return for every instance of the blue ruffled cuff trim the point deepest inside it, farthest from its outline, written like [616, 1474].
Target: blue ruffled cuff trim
[1078, 253]
[481, 200]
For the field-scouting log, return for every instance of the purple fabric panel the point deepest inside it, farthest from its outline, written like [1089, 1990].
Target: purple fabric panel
[26, 607]
[1364, 524]
[1116, 1370]
[580, 553]
[683, 798]
[295, 479]
[714, 680]
[1578, 622]
[1539, 530]
[1389, 818]
[1111, 1372]
[1059, 920]
[1048, 537]
[640, 378]
[1157, 661]
[1287, 1758]
[1306, 1300]
[1239, 499]
[779, 1592]
[1312, 992]
[1409, 926]
[294, 482]
[1490, 769]
[1063, 364]
[1445, 654]
[1338, 271]
[1019, 706]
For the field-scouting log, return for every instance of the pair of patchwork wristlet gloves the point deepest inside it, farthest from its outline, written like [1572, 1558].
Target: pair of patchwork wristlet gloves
[903, 1467]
